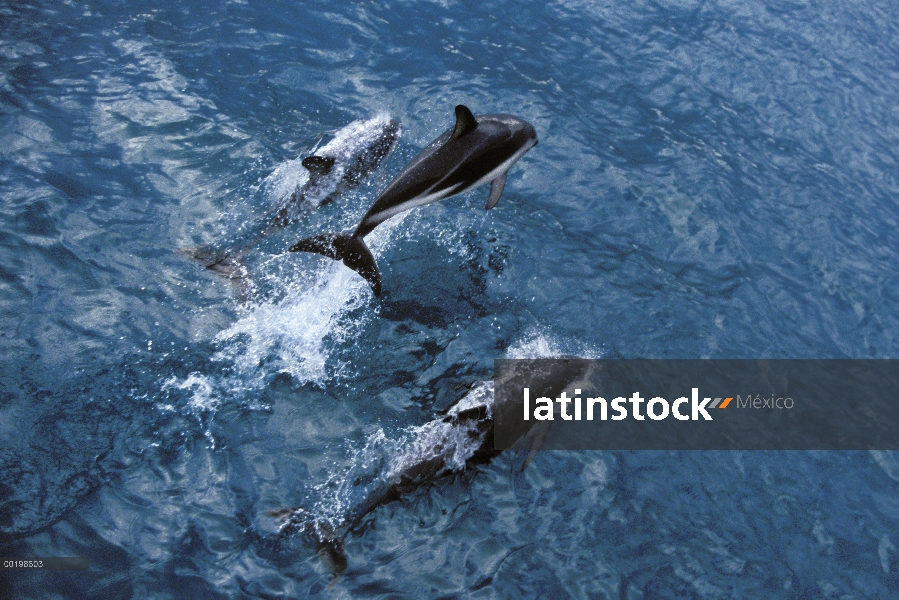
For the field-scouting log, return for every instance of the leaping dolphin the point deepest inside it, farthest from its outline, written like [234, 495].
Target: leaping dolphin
[473, 152]
[339, 166]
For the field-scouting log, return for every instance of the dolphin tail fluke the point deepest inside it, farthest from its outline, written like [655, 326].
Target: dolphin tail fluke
[326, 244]
[348, 248]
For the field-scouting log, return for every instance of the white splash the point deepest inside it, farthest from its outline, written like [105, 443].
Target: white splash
[203, 402]
[298, 333]
[539, 342]
[285, 178]
[203, 396]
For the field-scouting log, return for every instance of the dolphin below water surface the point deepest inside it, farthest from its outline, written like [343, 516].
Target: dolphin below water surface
[462, 437]
[475, 151]
[354, 152]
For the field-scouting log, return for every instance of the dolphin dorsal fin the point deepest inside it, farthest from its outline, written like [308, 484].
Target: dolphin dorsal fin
[320, 165]
[465, 122]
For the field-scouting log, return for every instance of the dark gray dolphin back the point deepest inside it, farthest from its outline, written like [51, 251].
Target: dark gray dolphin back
[455, 162]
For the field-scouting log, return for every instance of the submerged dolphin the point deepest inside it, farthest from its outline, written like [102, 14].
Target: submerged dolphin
[461, 438]
[341, 165]
[473, 152]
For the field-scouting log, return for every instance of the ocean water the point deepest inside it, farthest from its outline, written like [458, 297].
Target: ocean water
[713, 180]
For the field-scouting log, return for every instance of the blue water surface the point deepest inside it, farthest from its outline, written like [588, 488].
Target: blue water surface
[713, 180]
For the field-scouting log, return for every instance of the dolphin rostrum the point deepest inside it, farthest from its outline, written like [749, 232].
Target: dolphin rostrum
[339, 166]
[460, 438]
[475, 151]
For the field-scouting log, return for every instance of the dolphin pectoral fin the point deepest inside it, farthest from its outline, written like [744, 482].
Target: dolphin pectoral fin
[526, 447]
[496, 190]
[207, 256]
[329, 546]
[319, 165]
[328, 543]
[333, 555]
[465, 122]
[350, 249]
[229, 266]
[282, 514]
